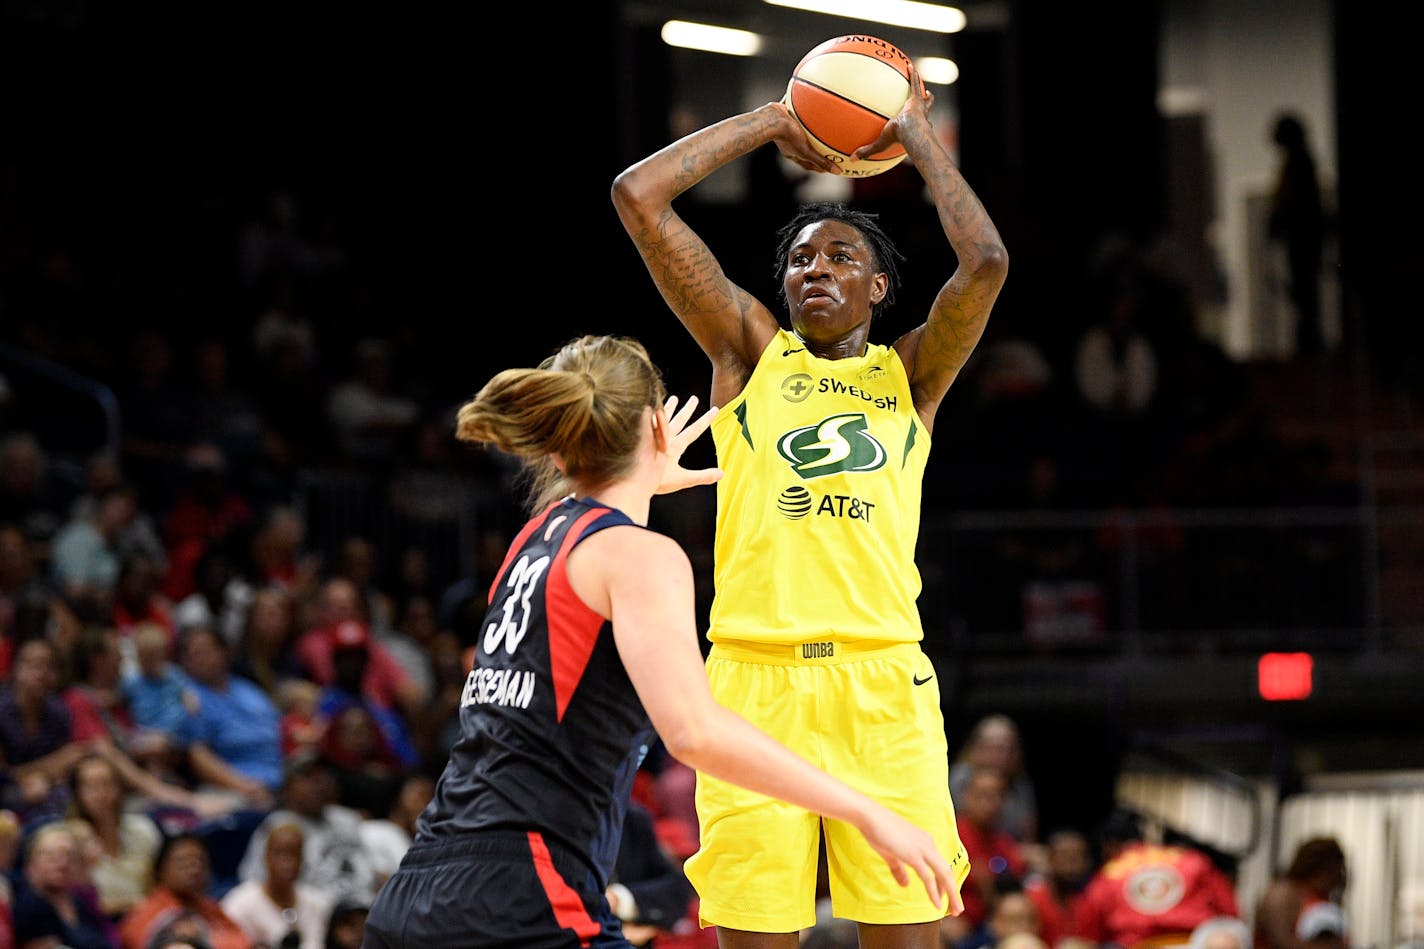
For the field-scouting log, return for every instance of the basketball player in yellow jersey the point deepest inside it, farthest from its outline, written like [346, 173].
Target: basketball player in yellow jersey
[822, 437]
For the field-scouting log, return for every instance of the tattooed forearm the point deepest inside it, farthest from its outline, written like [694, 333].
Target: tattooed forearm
[732, 140]
[683, 267]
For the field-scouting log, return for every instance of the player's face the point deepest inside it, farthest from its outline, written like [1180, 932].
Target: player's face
[831, 281]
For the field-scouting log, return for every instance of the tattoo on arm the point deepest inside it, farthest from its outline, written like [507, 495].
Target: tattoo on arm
[683, 268]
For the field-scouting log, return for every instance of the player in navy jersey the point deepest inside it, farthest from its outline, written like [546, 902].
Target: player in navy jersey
[588, 648]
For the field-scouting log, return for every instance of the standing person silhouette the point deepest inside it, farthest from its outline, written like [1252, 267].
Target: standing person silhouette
[589, 645]
[1297, 222]
[824, 438]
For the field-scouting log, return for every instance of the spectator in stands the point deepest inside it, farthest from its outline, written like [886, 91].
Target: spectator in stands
[303, 728]
[351, 645]
[440, 725]
[1118, 374]
[290, 389]
[347, 927]
[647, 891]
[278, 554]
[428, 488]
[1222, 932]
[101, 472]
[10, 834]
[155, 689]
[995, 858]
[224, 413]
[1013, 913]
[1148, 891]
[1115, 363]
[1022, 941]
[995, 742]
[368, 772]
[208, 511]
[1314, 878]
[31, 496]
[96, 703]
[1056, 889]
[334, 857]
[339, 601]
[272, 909]
[84, 556]
[222, 597]
[1296, 222]
[24, 595]
[100, 718]
[388, 838]
[233, 735]
[356, 562]
[50, 901]
[370, 417]
[128, 839]
[36, 744]
[674, 794]
[138, 597]
[409, 642]
[267, 644]
[186, 930]
[414, 573]
[181, 877]
[279, 245]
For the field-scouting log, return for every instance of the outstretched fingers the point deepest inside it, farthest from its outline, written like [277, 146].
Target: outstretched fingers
[682, 431]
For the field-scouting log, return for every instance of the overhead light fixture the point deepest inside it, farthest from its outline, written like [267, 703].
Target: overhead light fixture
[907, 13]
[711, 39]
[937, 70]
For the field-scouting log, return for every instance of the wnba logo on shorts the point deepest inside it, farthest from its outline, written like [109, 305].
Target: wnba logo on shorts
[817, 650]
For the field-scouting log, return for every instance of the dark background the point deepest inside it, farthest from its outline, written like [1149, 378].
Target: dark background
[461, 174]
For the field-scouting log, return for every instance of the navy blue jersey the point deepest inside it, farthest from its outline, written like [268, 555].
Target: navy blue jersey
[551, 730]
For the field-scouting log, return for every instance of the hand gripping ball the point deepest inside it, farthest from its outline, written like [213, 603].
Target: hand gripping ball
[843, 92]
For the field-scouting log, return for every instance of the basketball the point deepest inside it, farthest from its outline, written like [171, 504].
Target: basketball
[843, 92]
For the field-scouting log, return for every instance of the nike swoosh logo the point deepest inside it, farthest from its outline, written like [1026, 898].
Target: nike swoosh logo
[918, 681]
[790, 351]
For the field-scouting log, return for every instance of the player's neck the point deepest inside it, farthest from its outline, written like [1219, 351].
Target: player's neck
[627, 495]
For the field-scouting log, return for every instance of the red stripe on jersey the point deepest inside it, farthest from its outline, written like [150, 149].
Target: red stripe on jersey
[569, 911]
[573, 627]
[518, 542]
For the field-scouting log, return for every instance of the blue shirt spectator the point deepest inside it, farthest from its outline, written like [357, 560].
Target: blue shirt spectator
[155, 688]
[234, 735]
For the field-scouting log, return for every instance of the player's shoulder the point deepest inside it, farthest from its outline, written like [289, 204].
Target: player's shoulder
[636, 543]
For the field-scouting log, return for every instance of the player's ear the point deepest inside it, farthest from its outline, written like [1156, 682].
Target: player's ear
[558, 460]
[878, 287]
[660, 430]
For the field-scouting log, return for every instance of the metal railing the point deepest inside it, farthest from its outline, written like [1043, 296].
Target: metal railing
[55, 398]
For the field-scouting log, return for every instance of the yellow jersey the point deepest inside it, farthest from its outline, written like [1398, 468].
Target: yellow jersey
[818, 509]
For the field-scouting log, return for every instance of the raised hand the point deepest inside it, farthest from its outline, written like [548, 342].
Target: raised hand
[915, 109]
[680, 434]
[795, 144]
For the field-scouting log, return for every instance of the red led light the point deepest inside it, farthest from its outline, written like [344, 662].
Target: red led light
[1285, 676]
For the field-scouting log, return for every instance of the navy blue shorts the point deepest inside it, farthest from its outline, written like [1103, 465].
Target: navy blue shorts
[502, 890]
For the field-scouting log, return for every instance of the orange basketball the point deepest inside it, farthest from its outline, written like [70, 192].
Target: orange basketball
[843, 92]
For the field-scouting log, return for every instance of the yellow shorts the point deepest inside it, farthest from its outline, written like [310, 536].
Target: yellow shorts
[869, 713]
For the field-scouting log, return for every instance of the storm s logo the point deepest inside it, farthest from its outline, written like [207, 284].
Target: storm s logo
[838, 443]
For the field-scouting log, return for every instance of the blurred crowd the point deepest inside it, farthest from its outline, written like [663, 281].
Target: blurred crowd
[1124, 883]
